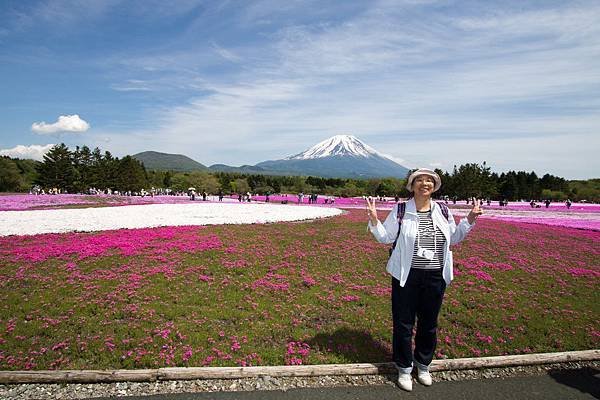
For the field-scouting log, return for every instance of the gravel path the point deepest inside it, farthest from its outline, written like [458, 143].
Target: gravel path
[153, 215]
[82, 391]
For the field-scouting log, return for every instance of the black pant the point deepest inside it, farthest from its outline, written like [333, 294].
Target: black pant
[422, 297]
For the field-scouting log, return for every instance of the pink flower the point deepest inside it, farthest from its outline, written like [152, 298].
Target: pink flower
[165, 333]
[583, 272]
[308, 281]
[297, 353]
[295, 361]
[187, 353]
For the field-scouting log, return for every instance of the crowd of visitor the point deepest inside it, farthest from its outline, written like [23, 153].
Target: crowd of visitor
[312, 198]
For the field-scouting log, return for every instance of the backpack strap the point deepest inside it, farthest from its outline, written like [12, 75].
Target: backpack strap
[444, 208]
[402, 211]
[400, 217]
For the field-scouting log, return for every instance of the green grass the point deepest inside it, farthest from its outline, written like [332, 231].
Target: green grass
[167, 304]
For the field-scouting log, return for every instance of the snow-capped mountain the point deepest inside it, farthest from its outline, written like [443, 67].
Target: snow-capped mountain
[341, 156]
[338, 145]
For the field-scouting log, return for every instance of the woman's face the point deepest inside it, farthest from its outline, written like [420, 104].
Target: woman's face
[423, 186]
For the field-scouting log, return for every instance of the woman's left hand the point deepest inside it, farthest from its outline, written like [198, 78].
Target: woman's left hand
[475, 212]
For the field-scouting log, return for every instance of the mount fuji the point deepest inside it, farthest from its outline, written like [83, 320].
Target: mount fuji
[340, 156]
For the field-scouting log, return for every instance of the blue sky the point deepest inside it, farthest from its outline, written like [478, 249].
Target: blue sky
[431, 83]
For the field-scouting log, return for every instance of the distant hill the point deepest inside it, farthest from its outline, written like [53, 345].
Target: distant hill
[341, 156]
[244, 169]
[168, 162]
[254, 170]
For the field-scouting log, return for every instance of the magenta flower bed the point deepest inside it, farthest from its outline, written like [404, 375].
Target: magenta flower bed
[287, 293]
[27, 201]
[388, 203]
[525, 206]
[17, 202]
[571, 222]
[347, 202]
[580, 216]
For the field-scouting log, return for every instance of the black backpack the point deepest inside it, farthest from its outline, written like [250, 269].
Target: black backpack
[400, 216]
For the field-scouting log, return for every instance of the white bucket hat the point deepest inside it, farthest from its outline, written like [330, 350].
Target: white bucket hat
[424, 171]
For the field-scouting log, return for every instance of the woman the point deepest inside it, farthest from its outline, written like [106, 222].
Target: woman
[421, 267]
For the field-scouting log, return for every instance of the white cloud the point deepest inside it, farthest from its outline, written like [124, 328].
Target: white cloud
[384, 75]
[541, 155]
[132, 85]
[65, 123]
[398, 160]
[406, 78]
[33, 152]
[226, 54]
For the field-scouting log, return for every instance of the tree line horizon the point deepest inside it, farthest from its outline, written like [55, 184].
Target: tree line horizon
[81, 169]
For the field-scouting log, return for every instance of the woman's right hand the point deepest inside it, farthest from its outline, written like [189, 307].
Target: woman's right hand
[372, 211]
[475, 212]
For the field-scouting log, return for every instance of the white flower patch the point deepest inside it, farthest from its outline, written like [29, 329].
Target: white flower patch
[152, 215]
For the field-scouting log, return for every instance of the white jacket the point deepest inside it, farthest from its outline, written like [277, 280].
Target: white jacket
[400, 261]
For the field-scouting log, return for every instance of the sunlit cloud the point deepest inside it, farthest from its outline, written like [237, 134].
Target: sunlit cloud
[66, 123]
[33, 152]
[404, 76]
[226, 54]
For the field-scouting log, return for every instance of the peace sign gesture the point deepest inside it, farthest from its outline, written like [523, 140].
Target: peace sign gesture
[371, 211]
[476, 211]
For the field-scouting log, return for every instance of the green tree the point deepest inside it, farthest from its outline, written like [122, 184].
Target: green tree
[83, 164]
[553, 195]
[180, 182]
[533, 189]
[349, 190]
[131, 175]
[255, 180]
[554, 183]
[588, 190]
[371, 187]
[299, 184]
[388, 187]
[109, 168]
[10, 178]
[240, 185]
[508, 185]
[472, 180]
[261, 190]
[204, 181]
[167, 179]
[27, 172]
[56, 171]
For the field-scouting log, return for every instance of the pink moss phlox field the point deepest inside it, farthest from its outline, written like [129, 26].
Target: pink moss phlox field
[360, 202]
[285, 293]
[124, 242]
[19, 202]
[554, 207]
[572, 221]
[580, 215]
[337, 201]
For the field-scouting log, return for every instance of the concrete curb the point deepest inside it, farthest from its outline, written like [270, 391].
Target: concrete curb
[165, 374]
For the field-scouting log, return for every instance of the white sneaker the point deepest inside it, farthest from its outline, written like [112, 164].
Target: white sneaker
[424, 377]
[405, 381]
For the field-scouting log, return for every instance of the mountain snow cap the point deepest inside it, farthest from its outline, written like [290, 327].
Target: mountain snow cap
[338, 145]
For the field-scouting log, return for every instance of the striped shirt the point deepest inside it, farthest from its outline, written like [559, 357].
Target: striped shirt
[427, 240]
